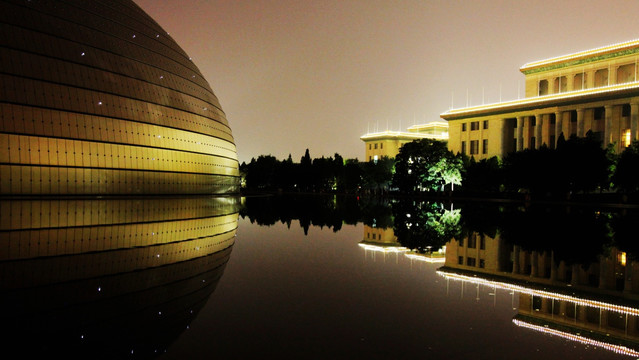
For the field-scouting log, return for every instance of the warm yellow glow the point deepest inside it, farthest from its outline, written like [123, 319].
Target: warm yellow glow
[616, 348]
[622, 258]
[426, 258]
[542, 293]
[626, 138]
[384, 249]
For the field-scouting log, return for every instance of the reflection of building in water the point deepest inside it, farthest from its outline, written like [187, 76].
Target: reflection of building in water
[388, 143]
[98, 99]
[596, 304]
[381, 240]
[481, 253]
[384, 240]
[117, 275]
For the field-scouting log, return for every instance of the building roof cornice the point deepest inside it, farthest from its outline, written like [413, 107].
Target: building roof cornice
[534, 103]
[582, 57]
[399, 135]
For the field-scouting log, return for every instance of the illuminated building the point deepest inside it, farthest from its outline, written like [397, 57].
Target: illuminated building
[594, 304]
[387, 143]
[589, 91]
[97, 99]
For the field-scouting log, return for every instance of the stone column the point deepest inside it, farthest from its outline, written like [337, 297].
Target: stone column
[607, 125]
[590, 79]
[505, 140]
[520, 133]
[533, 264]
[516, 259]
[580, 123]
[559, 121]
[553, 267]
[538, 124]
[575, 275]
[634, 120]
[570, 80]
[612, 74]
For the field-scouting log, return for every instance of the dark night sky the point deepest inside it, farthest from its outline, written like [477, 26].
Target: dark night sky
[292, 75]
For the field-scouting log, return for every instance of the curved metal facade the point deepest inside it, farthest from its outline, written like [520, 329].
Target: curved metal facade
[96, 99]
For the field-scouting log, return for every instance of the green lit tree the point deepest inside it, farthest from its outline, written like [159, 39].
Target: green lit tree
[425, 165]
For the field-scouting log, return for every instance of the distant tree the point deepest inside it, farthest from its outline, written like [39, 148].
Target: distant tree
[485, 175]
[305, 179]
[261, 172]
[626, 176]
[350, 179]
[377, 175]
[583, 165]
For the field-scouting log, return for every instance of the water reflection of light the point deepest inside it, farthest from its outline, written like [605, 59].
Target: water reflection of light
[383, 249]
[575, 337]
[426, 258]
[541, 293]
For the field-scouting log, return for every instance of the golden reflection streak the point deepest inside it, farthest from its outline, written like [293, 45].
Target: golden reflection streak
[546, 330]
[541, 293]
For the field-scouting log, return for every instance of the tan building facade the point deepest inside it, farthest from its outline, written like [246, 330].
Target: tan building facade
[388, 143]
[594, 90]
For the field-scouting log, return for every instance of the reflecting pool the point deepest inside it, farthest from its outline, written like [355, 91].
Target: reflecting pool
[321, 277]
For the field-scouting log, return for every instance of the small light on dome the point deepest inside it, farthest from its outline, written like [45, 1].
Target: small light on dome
[82, 54]
[99, 102]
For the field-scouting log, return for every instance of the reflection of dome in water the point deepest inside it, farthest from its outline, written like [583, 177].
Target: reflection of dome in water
[113, 276]
[95, 98]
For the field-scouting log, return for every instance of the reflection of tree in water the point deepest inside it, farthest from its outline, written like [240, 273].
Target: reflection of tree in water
[317, 210]
[574, 235]
[424, 226]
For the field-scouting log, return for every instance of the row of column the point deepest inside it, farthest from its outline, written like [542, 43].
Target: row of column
[589, 79]
[541, 119]
[536, 264]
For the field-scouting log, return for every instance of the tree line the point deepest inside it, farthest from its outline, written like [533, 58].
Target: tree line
[578, 165]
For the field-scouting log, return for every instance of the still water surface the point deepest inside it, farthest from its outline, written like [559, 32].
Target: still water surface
[320, 279]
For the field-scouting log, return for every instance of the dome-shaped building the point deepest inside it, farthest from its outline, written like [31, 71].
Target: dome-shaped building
[96, 99]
